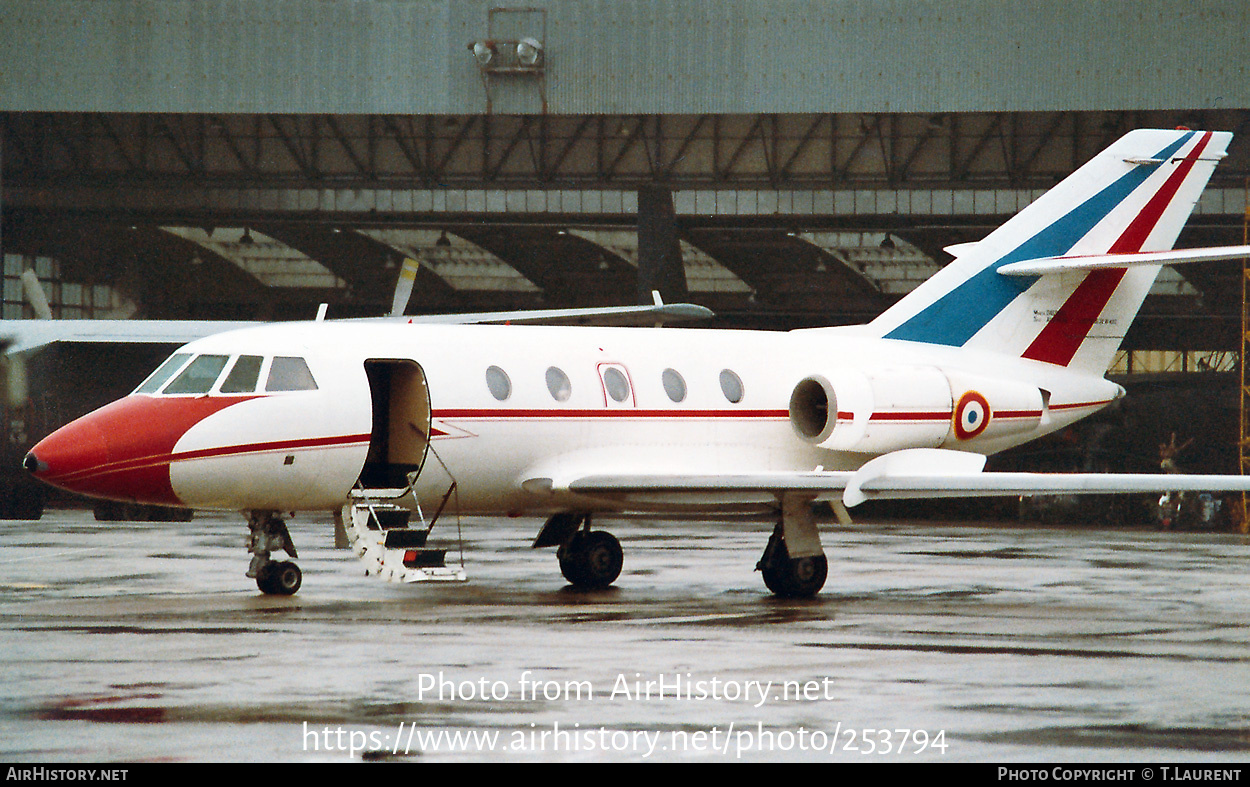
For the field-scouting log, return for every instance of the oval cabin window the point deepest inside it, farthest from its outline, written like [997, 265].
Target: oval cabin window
[498, 383]
[674, 385]
[559, 385]
[731, 386]
[616, 384]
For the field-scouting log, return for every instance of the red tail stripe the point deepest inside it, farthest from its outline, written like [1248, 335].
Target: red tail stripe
[1062, 337]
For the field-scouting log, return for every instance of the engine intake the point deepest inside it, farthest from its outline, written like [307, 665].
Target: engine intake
[814, 409]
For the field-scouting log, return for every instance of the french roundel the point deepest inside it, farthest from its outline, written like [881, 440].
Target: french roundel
[972, 415]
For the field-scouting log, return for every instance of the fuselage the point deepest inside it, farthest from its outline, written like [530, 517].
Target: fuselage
[247, 429]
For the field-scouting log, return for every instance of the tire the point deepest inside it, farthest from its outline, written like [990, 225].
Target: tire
[280, 579]
[592, 560]
[789, 577]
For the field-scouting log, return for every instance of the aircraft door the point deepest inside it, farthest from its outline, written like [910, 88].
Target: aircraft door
[400, 438]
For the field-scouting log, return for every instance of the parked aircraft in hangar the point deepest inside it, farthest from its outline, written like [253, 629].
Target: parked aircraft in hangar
[378, 418]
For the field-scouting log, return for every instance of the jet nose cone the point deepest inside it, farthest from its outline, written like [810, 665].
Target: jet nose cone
[33, 464]
[123, 450]
[69, 455]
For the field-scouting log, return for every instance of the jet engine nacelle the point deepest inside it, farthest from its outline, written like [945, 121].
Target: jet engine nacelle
[909, 407]
[986, 408]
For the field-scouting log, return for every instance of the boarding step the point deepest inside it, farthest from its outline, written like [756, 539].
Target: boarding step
[379, 534]
[367, 495]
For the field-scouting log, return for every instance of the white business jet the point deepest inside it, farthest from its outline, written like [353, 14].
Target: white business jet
[379, 418]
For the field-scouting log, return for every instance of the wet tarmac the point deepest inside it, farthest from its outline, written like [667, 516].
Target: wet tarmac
[931, 642]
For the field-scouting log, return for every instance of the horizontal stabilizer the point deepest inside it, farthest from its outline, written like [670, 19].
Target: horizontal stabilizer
[1091, 262]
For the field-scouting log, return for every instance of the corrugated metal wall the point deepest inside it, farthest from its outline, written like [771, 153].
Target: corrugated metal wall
[624, 56]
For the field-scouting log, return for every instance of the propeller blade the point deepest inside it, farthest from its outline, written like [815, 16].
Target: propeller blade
[35, 295]
[403, 287]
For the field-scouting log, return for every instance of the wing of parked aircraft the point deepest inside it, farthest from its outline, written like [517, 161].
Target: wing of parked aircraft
[25, 335]
[906, 474]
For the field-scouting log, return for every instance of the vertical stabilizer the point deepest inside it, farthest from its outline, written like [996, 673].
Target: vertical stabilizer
[1134, 196]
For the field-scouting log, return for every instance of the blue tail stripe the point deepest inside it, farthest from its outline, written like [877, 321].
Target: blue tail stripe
[955, 318]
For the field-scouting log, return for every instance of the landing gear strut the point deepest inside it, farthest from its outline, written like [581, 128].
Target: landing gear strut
[268, 532]
[589, 559]
[794, 563]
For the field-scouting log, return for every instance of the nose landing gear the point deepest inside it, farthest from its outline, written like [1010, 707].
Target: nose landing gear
[267, 533]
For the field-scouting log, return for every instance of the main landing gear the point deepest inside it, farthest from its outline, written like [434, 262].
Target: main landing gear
[794, 563]
[787, 577]
[268, 532]
[589, 559]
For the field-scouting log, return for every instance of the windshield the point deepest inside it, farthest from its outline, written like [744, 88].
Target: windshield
[163, 373]
[199, 375]
[243, 377]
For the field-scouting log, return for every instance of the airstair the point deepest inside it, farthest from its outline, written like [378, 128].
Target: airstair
[392, 547]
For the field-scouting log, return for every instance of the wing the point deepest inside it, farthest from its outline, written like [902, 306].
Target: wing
[31, 334]
[24, 335]
[610, 315]
[656, 313]
[912, 473]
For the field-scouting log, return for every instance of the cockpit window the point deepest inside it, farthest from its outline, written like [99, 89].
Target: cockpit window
[290, 374]
[163, 373]
[243, 377]
[199, 375]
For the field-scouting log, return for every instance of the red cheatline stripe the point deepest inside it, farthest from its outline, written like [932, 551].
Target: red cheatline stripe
[145, 462]
[904, 416]
[498, 413]
[1062, 337]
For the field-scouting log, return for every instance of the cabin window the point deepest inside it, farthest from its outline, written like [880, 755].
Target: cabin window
[199, 375]
[498, 383]
[290, 374]
[163, 373]
[243, 377]
[674, 385]
[559, 385]
[616, 384]
[731, 386]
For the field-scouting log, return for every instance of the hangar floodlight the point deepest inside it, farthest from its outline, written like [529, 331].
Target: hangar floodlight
[483, 51]
[529, 52]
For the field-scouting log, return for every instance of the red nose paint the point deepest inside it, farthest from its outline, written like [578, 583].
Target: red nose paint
[122, 451]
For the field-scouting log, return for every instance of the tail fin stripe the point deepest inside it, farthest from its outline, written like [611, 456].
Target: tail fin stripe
[1059, 340]
[1139, 229]
[1062, 337]
[956, 316]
